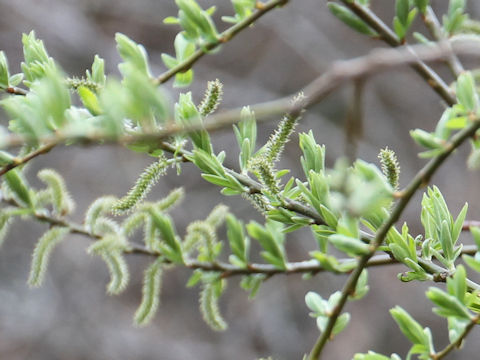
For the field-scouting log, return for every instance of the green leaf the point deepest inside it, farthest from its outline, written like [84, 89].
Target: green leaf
[313, 158]
[349, 245]
[173, 248]
[19, 187]
[187, 114]
[89, 100]
[427, 140]
[457, 285]
[350, 19]
[422, 5]
[239, 242]
[466, 92]
[409, 327]
[4, 74]
[98, 71]
[448, 305]
[271, 239]
[133, 53]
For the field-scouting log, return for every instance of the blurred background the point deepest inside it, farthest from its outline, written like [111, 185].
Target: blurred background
[71, 317]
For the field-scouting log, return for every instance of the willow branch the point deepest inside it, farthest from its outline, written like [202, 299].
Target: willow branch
[224, 37]
[426, 72]
[422, 178]
[23, 160]
[433, 25]
[457, 343]
[339, 73]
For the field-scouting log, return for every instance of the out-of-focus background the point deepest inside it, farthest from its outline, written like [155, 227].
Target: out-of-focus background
[72, 318]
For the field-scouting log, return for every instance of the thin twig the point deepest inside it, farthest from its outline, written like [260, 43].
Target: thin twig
[224, 37]
[340, 72]
[433, 25]
[21, 161]
[422, 178]
[457, 343]
[426, 72]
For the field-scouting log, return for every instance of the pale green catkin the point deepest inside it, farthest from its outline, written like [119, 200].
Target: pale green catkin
[144, 184]
[390, 166]
[209, 309]
[275, 145]
[212, 98]
[42, 252]
[152, 283]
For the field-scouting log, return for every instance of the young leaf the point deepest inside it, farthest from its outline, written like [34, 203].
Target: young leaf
[19, 187]
[133, 53]
[4, 74]
[349, 18]
[466, 92]
[409, 327]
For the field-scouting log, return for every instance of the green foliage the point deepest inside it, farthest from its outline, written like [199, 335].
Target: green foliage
[4, 74]
[321, 310]
[243, 9]
[350, 208]
[183, 50]
[349, 18]
[403, 17]
[246, 134]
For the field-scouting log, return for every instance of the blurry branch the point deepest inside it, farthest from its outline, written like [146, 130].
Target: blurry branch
[340, 72]
[421, 178]
[16, 91]
[387, 35]
[470, 223]
[228, 270]
[254, 187]
[433, 25]
[227, 35]
[354, 120]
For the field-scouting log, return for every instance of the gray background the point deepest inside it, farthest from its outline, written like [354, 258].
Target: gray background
[70, 317]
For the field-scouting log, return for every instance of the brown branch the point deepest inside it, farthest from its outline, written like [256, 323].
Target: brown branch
[426, 72]
[422, 178]
[21, 161]
[224, 37]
